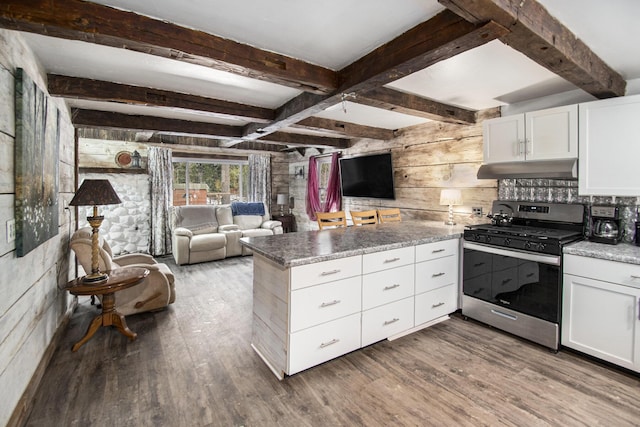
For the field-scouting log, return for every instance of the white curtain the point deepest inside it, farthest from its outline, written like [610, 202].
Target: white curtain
[260, 178]
[161, 173]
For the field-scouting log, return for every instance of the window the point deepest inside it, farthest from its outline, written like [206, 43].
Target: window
[209, 181]
[324, 169]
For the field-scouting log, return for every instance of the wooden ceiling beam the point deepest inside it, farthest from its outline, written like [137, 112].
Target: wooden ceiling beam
[97, 90]
[430, 42]
[441, 37]
[301, 140]
[111, 120]
[345, 128]
[542, 38]
[400, 102]
[104, 25]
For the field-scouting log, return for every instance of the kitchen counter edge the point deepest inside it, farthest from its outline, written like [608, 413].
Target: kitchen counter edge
[622, 252]
[426, 232]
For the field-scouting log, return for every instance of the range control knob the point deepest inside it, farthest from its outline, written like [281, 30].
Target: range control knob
[488, 239]
[507, 241]
[527, 245]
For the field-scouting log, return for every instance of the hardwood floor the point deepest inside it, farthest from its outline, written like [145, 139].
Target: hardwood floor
[192, 365]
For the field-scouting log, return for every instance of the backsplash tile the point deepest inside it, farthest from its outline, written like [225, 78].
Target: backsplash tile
[566, 191]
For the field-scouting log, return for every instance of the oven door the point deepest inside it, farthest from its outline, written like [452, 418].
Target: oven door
[525, 282]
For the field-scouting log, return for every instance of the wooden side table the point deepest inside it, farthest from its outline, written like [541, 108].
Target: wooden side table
[288, 221]
[121, 278]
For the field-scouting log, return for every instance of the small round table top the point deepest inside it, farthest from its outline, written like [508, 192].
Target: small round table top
[120, 278]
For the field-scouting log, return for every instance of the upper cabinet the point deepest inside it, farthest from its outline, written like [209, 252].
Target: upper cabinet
[609, 134]
[549, 134]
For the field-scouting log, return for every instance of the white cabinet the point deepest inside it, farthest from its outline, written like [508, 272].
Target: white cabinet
[437, 285]
[308, 314]
[600, 309]
[609, 148]
[539, 135]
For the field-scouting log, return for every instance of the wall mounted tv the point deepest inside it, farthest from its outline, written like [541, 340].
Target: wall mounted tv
[367, 176]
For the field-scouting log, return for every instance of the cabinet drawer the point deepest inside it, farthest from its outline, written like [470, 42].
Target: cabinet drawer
[387, 320]
[605, 270]
[436, 303]
[436, 273]
[326, 271]
[387, 259]
[435, 250]
[317, 304]
[387, 286]
[323, 342]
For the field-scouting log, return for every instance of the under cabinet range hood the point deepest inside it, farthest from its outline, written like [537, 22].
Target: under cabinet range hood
[558, 169]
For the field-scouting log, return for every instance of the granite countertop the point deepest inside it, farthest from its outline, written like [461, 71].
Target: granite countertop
[307, 247]
[622, 252]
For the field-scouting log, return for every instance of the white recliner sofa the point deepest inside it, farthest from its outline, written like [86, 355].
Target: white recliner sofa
[210, 232]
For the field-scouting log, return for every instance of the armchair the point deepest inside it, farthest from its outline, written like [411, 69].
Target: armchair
[156, 292]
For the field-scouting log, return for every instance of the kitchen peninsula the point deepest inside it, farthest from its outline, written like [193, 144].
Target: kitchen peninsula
[320, 294]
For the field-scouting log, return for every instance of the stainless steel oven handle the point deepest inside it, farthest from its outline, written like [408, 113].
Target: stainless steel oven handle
[527, 256]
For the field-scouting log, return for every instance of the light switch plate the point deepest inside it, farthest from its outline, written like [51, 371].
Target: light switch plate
[11, 230]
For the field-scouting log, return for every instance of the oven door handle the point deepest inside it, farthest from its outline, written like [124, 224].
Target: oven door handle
[527, 256]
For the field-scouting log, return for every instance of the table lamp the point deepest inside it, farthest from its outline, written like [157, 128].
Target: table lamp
[450, 197]
[281, 200]
[95, 192]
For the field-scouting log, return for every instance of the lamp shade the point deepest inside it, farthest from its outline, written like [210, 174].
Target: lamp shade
[95, 192]
[282, 199]
[450, 197]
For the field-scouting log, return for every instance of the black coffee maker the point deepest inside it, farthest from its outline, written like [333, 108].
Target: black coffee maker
[605, 225]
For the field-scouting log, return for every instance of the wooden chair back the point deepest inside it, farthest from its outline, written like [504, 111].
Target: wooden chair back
[331, 219]
[364, 217]
[389, 215]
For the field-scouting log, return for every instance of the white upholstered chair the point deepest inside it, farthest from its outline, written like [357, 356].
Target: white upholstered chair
[155, 292]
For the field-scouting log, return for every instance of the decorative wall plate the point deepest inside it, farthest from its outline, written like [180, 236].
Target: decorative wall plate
[123, 159]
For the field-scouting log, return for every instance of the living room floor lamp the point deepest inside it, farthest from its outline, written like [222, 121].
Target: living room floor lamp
[450, 197]
[95, 192]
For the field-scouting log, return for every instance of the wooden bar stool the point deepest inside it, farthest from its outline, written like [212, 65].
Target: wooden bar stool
[389, 215]
[364, 217]
[331, 219]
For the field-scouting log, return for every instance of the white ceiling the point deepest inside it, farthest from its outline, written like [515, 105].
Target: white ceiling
[333, 34]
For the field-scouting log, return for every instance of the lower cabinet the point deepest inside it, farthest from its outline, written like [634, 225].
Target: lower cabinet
[324, 342]
[600, 309]
[387, 320]
[307, 315]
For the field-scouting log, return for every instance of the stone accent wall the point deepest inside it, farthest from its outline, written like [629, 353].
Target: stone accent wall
[126, 226]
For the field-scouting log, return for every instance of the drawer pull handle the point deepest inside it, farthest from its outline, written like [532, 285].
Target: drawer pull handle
[530, 274]
[478, 264]
[505, 315]
[330, 303]
[391, 260]
[388, 322]
[435, 251]
[477, 291]
[437, 305]
[633, 276]
[437, 274]
[327, 344]
[386, 288]
[328, 273]
[505, 281]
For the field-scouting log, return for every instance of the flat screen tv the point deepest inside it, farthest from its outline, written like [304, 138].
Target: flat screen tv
[367, 176]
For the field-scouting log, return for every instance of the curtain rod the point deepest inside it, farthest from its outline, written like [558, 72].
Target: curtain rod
[327, 155]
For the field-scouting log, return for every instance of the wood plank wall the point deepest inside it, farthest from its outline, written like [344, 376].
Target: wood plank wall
[32, 306]
[426, 159]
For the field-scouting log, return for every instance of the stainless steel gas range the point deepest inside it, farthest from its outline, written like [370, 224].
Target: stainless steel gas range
[512, 268]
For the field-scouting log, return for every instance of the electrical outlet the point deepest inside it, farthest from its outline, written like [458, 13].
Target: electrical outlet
[11, 230]
[477, 211]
